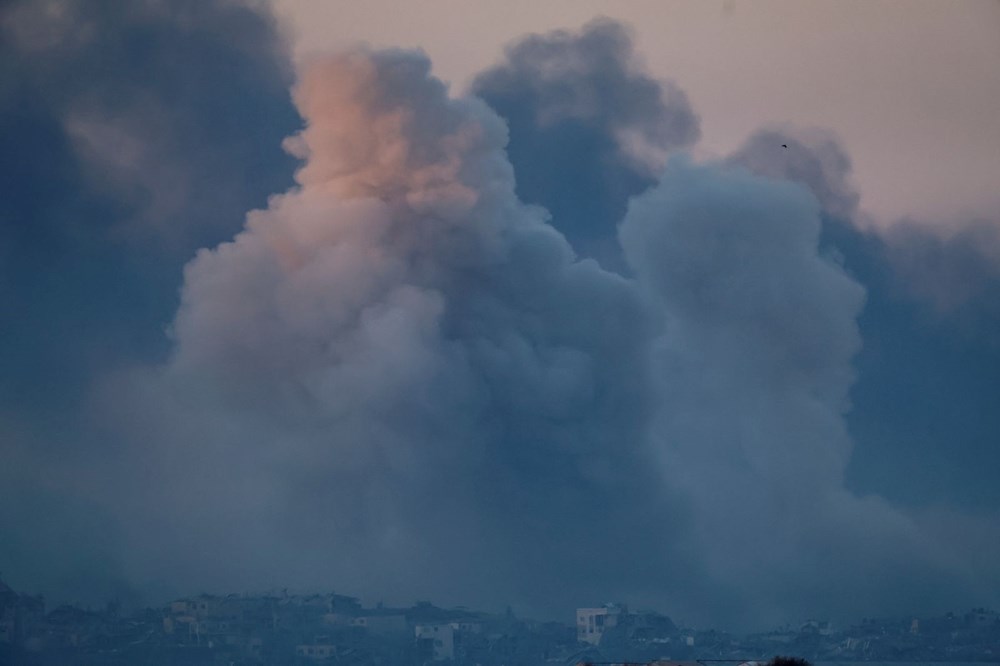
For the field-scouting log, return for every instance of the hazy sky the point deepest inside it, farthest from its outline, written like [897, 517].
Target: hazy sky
[720, 282]
[911, 87]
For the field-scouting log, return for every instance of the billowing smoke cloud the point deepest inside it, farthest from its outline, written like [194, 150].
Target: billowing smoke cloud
[755, 365]
[399, 375]
[590, 128]
[924, 414]
[400, 380]
[922, 411]
[130, 135]
[956, 271]
[811, 157]
[154, 103]
[126, 144]
[403, 374]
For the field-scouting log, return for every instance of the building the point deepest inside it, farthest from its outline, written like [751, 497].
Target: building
[436, 640]
[591, 623]
[382, 624]
[316, 651]
[19, 614]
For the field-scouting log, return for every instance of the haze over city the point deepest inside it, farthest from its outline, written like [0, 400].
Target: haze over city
[692, 306]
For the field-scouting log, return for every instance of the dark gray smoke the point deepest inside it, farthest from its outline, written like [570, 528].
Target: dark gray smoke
[811, 157]
[130, 135]
[400, 376]
[922, 413]
[956, 271]
[400, 380]
[755, 369]
[589, 128]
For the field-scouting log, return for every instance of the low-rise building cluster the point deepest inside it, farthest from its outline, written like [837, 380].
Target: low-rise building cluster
[282, 628]
[237, 630]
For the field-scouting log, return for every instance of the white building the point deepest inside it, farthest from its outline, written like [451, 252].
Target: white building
[592, 622]
[441, 637]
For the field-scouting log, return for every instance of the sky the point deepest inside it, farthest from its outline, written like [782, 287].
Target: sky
[909, 87]
[688, 305]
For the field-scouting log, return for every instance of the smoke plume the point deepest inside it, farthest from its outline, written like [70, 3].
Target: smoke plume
[400, 375]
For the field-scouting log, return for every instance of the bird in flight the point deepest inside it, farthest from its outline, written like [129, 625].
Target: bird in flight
[784, 145]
